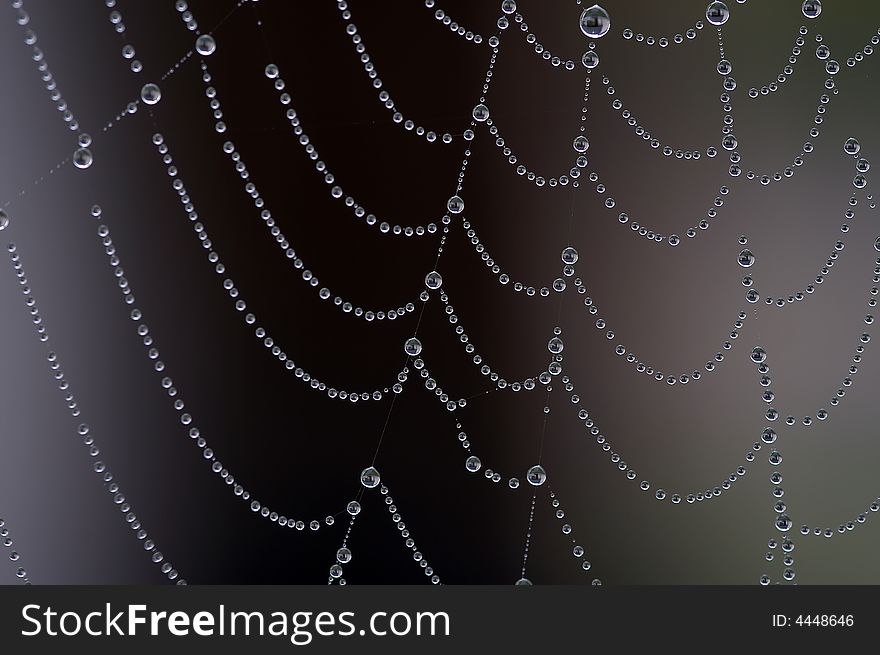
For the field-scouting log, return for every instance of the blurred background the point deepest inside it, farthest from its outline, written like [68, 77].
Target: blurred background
[299, 451]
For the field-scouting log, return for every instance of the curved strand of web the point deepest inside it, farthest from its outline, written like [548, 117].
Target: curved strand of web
[185, 417]
[639, 130]
[677, 39]
[640, 366]
[798, 161]
[542, 51]
[616, 459]
[39, 57]
[249, 187]
[558, 285]
[385, 98]
[526, 384]
[651, 234]
[100, 467]
[843, 528]
[336, 191]
[866, 51]
[823, 413]
[454, 27]
[240, 305]
[522, 170]
[800, 295]
[410, 544]
[787, 70]
[20, 573]
[729, 140]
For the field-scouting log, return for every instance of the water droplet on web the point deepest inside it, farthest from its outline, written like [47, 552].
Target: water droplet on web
[717, 13]
[370, 478]
[455, 205]
[746, 258]
[555, 345]
[595, 22]
[206, 45]
[151, 94]
[811, 8]
[590, 59]
[536, 475]
[412, 347]
[433, 280]
[82, 158]
[852, 146]
[481, 113]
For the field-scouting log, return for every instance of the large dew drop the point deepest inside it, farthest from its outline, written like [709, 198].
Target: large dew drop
[595, 22]
[717, 13]
[370, 477]
[82, 158]
[206, 45]
[151, 94]
[811, 8]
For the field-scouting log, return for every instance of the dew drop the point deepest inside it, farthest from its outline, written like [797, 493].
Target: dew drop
[595, 22]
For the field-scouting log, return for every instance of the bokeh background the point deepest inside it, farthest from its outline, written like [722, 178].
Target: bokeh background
[300, 452]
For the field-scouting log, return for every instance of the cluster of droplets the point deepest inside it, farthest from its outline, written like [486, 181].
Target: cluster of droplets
[186, 15]
[508, 8]
[84, 432]
[594, 23]
[843, 528]
[646, 368]
[240, 305]
[866, 51]
[453, 26]
[580, 145]
[30, 39]
[307, 275]
[82, 156]
[184, 416]
[664, 41]
[729, 141]
[371, 479]
[558, 285]
[747, 259]
[759, 357]
[616, 459]
[128, 52]
[500, 382]
[14, 557]
[273, 73]
[787, 70]
[847, 382]
[413, 348]
[652, 235]
[787, 545]
[645, 135]
[344, 554]
[781, 521]
[384, 96]
[523, 580]
[577, 550]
